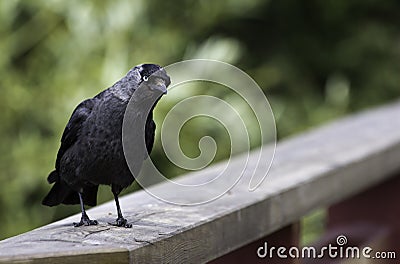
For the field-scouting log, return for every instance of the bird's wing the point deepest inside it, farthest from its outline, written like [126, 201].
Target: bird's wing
[73, 128]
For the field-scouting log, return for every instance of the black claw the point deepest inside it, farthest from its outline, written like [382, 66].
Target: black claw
[85, 221]
[121, 222]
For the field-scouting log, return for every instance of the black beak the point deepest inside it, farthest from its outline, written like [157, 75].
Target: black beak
[160, 81]
[162, 87]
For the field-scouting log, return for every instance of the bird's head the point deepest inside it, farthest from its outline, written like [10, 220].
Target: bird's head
[153, 77]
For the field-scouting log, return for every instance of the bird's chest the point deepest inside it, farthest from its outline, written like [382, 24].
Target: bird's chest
[103, 131]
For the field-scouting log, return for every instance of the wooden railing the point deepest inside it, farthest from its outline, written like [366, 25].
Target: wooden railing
[348, 166]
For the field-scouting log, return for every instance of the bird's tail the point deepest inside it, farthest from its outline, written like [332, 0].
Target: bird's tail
[53, 177]
[61, 193]
[57, 194]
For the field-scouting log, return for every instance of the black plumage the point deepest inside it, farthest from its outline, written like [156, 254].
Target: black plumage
[91, 151]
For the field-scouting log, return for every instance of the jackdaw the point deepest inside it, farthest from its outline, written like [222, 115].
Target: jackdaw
[91, 151]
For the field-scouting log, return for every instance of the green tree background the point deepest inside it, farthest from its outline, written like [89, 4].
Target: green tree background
[315, 60]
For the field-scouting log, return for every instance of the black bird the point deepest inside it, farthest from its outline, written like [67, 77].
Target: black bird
[91, 151]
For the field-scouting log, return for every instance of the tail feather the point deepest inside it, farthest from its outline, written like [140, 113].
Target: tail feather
[53, 177]
[57, 194]
[61, 193]
[89, 196]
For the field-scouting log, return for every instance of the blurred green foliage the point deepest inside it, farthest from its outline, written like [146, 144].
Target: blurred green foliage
[315, 60]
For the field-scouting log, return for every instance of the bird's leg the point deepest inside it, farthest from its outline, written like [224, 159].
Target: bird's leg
[120, 221]
[85, 218]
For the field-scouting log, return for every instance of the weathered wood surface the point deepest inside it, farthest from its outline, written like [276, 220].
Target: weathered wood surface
[311, 170]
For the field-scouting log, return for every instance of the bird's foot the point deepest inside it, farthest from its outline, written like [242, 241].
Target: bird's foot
[121, 222]
[85, 221]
